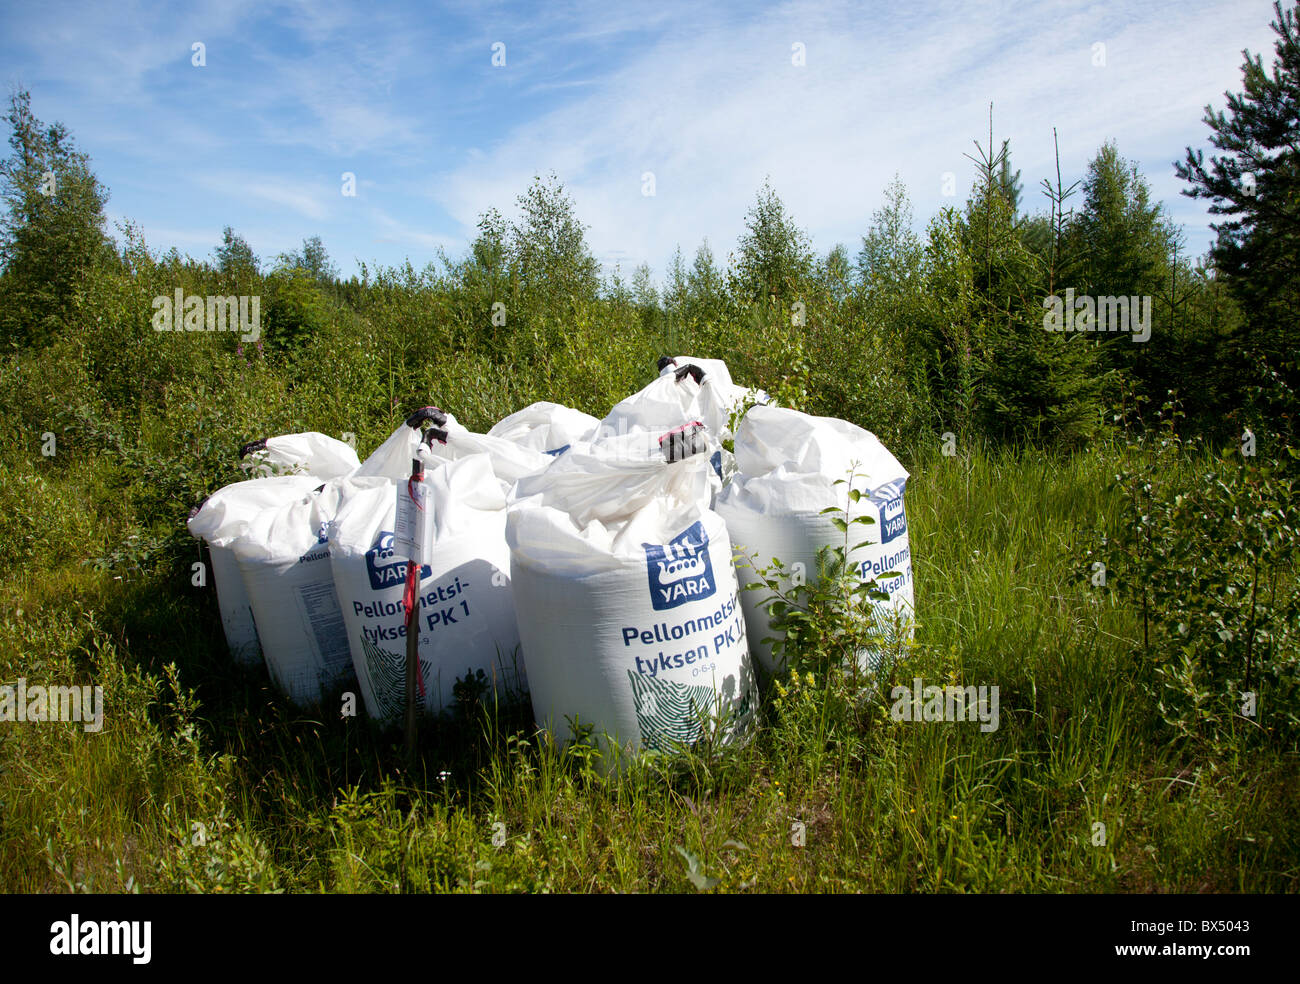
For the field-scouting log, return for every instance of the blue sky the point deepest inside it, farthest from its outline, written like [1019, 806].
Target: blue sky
[705, 97]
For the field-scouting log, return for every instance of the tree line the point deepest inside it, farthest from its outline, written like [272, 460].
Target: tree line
[912, 335]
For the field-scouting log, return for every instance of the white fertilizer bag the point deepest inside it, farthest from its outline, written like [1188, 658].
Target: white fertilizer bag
[715, 368]
[392, 459]
[732, 394]
[219, 521]
[627, 600]
[687, 389]
[615, 475]
[788, 463]
[283, 558]
[673, 399]
[510, 461]
[548, 427]
[466, 614]
[309, 453]
[449, 440]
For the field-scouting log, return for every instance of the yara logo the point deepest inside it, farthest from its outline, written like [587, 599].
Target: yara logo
[681, 569]
[220, 313]
[893, 520]
[383, 569]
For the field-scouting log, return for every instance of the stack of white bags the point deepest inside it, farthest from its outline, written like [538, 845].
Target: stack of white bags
[598, 565]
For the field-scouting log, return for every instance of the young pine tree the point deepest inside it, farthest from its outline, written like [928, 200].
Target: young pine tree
[1254, 182]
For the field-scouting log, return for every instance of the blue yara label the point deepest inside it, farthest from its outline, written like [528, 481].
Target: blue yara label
[318, 549]
[681, 569]
[893, 520]
[384, 569]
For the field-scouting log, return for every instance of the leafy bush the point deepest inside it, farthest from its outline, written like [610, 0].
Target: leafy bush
[1208, 554]
[294, 310]
[832, 641]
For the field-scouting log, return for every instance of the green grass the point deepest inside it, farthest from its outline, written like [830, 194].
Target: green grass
[203, 779]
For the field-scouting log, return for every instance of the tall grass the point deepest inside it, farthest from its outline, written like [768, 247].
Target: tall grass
[203, 779]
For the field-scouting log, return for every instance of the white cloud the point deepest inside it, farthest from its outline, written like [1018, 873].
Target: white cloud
[403, 233]
[714, 107]
[307, 200]
[706, 97]
[338, 99]
[116, 48]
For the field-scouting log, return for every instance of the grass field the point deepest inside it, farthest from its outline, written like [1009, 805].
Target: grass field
[203, 779]
[1104, 508]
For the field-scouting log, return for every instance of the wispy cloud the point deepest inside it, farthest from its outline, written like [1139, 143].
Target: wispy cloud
[287, 194]
[706, 97]
[713, 109]
[402, 233]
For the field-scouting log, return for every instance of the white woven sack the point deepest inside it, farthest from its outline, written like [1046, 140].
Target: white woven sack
[788, 464]
[466, 616]
[687, 389]
[219, 521]
[548, 427]
[670, 401]
[283, 557]
[627, 601]
[310, 453]
[392, 459]
[715, 368]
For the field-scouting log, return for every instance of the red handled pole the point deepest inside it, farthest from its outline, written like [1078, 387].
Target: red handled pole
[411, 599]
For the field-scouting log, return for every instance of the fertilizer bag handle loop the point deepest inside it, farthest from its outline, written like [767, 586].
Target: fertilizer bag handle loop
[437, 420]
[682, 442]
[692, 370]
[437, 417]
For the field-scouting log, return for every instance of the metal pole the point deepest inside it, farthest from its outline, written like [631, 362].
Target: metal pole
[412, 598]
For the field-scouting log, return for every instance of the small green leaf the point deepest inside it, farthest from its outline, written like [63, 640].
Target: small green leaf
[695, 872]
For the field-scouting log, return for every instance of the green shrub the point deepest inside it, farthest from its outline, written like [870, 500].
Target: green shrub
[293, 311]
[1208, 555]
